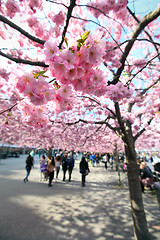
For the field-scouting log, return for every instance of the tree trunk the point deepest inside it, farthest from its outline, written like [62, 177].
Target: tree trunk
[137, 207]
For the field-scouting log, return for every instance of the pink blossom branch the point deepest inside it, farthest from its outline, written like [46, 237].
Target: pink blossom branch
[142, 68]
[10, 108]
[143, 130]
[70, 9]
[19, 60]
[134, 16]
[144, 22]
[86, 20]
[145, 90]
[19, 29]
[93, 134]
[57, 3]
[142, 39]
[95, 8]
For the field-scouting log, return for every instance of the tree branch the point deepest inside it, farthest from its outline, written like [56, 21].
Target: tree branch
[87, 137]
[86, 20]
[138, 39]
[142, 68]
[70, 9]
[10, 108]
[56, 3]
[146, 32]
[144, 22]
[26, 34]
[145, 90]
[18, 60]
[142, 131]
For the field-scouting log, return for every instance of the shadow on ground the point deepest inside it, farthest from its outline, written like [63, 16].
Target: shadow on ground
[101, 210]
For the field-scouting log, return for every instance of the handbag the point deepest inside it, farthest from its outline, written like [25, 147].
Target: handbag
[48, 172]
[86, 172]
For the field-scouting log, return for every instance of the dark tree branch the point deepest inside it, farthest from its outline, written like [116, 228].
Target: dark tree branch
[10, 108]
[93, 134]
[70, 9]
[144, 22]
[146, 32]
[94, 100]
[142, 131]
[143, 68]
[19, 29]
[145, 90]
[142, 39]
[57, 3]
[18, 60]
[95, 8]
[86, 20]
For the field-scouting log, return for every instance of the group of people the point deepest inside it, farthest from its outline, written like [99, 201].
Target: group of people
[50, 165]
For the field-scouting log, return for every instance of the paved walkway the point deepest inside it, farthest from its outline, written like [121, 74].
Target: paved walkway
[66, 211]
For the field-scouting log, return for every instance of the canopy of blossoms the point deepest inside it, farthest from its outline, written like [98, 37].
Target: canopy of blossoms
[66, 64]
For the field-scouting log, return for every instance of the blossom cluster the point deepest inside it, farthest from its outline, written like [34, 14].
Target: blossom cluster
[76, 68]
[79, 68]
[33, 115]
[37, 90]
[118, 7]
[12, 8]
[118, 92]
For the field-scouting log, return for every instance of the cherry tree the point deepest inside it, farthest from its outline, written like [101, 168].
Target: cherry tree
[81, 75]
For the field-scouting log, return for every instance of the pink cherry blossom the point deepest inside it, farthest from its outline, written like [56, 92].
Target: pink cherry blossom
[50, 49]
[79, 84]
[69, 56]
[11, 8]
[59, 18]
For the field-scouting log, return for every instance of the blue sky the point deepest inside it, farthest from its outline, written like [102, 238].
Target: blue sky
[143, 7]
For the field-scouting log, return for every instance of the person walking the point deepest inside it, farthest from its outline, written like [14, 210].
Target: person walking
[29, 165]
[93, 159]
[43, 168]
[105, 159]
[64, 165]
[84, 170]
[57, 164]
[70, 165]
[50, 168]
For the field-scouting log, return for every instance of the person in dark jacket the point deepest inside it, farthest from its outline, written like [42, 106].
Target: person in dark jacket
[70, 165]
[29, 165]
[146, 176]
[64, 165]
[50, 168]
[84, 170]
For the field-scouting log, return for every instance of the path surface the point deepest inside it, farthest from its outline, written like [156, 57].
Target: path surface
[100, 211]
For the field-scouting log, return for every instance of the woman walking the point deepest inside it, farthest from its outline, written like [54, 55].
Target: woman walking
[84, 170]
[29, 165]
[57, 164]
[43, 167]
[50, 168]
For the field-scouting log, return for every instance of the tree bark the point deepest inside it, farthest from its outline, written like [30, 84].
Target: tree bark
[138, 214]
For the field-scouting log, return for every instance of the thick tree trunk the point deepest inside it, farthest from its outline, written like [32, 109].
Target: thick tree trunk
[137, 207]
